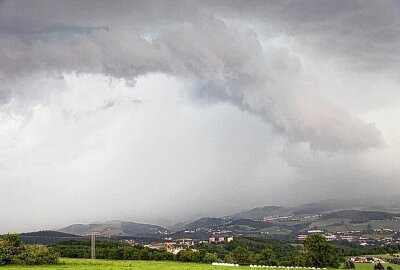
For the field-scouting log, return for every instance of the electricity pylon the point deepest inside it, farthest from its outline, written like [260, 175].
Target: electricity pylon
[93, 244]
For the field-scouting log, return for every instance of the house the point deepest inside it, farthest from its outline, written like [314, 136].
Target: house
[185, 242]
[301, 237]
[216, 240]
[330, 237]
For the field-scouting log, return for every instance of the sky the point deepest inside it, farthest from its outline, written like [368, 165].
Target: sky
[164, 111]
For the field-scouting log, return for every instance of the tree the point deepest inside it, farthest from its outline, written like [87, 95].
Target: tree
[267, 257]
[186, 255]
[319, 253]
[210, 258]
[241, 255]
[13, 240]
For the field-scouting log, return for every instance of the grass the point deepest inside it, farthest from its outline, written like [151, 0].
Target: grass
[86, 264]
[370, 266]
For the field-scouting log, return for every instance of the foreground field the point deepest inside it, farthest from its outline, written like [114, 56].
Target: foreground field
[85, 264]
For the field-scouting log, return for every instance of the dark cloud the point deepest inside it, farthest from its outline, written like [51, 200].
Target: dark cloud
[199, 45]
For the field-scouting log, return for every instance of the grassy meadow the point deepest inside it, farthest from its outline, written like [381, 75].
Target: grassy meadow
[87, 264]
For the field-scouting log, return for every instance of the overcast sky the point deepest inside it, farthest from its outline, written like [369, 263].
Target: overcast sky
[163, 111]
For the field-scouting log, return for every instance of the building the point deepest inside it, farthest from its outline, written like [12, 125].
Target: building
[185, 242]
[220, 240]
[330, 237]
[229, 239]
[366, 260]
[216, 240]
[301, 237]
[314, 231]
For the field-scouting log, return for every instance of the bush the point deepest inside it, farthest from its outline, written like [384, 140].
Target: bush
[5, 253]
[210, 258]
[379, 266]
[186, 255]
[349, 264]
[395, 260]
[228, 259]
[37, 255]
[13, 251]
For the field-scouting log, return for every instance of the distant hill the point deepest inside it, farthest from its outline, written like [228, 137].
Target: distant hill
[261, 212]
[226, 223]
[117, 228]
[48, 237]
[251, 224]
[318, 208]
[206, 222]
[359, 216]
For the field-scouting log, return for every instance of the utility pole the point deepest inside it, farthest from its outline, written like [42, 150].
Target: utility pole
[93, 245]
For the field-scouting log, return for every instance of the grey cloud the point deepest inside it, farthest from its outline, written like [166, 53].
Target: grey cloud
[362, 33]
[207, 49]
[273, 102]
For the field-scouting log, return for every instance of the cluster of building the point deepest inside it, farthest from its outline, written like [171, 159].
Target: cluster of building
[177, 245]
[366, 260]
[383, 236]
[280, 218]
[220, 240]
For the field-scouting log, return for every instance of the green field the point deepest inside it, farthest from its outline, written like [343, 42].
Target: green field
[85, 264]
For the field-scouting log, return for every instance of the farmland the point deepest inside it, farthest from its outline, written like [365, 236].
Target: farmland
[87, 264]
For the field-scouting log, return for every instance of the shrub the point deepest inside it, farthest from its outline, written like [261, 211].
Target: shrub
[349, 264]
[5, 253]
[37, 255]
[13, 251]
[379, 266]
[209, 258]
[186, 255]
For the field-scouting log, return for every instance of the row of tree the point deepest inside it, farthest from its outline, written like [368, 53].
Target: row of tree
[14, 251]
[316, 252]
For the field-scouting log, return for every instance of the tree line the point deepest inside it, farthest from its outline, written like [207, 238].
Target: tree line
[316, 252]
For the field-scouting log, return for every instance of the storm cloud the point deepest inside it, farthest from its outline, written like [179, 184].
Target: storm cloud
[292, 94]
